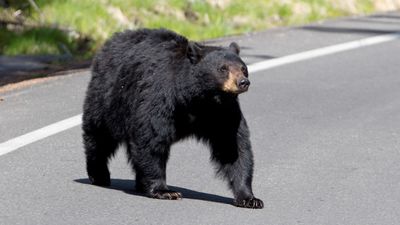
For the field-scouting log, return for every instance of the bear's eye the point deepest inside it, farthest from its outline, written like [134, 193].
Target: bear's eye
[223, 69]
[244, 71]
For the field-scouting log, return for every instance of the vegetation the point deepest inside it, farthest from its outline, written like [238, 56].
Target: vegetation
[79, 27]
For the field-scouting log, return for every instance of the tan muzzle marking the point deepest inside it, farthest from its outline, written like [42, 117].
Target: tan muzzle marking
[230, 85]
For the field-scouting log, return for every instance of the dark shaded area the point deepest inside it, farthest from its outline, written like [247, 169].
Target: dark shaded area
[371, 20]
[260, 56]
[127, 186]
[18, 68]
[385, 16]
[347, 30]
[4, 3]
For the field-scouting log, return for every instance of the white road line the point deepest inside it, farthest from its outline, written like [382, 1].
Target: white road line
[268, 64]
[39, 134]
[26, 139]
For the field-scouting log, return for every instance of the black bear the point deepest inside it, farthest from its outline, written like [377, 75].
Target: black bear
[151, 88]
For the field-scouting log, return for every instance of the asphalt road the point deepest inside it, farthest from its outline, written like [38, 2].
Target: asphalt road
[325, 134]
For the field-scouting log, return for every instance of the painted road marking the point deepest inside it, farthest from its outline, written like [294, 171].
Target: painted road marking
[268, 64]
[26, 139]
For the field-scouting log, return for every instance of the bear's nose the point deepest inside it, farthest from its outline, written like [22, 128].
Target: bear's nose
[244, 84]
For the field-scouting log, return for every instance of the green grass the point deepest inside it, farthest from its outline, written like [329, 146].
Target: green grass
[91, 22]
[35, 41]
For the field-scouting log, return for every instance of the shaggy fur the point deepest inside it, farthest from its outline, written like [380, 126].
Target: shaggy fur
[151, 88]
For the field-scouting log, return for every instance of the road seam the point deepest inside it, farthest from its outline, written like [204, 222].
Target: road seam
[52, 129]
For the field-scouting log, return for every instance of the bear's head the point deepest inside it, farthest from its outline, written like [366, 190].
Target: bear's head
[220, 69]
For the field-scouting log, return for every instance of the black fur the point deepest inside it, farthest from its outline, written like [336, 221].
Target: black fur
[151, 88]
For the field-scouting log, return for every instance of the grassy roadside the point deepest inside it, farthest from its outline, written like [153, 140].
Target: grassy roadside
[79, 27]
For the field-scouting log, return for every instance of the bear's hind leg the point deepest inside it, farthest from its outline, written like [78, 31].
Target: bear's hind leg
[99, 147]
[150, 168]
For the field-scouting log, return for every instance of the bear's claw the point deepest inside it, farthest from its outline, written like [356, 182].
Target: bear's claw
[166, 194]
[253, 203]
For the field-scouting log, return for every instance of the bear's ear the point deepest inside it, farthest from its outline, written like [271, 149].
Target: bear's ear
[194, 52]
[234, 47]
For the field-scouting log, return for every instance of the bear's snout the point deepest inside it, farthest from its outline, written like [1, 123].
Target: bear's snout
[236, 82]
[244, 84]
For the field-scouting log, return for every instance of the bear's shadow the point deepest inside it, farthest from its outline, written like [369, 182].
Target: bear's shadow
[127, 186]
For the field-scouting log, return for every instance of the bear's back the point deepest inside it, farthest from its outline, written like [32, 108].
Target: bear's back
[130, 49]
[136, 67]
[141, 59]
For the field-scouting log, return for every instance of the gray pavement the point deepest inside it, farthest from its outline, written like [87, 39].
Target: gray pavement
[325, 134]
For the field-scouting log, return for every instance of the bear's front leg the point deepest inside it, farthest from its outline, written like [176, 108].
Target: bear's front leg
[232, 151]
[150, 168]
